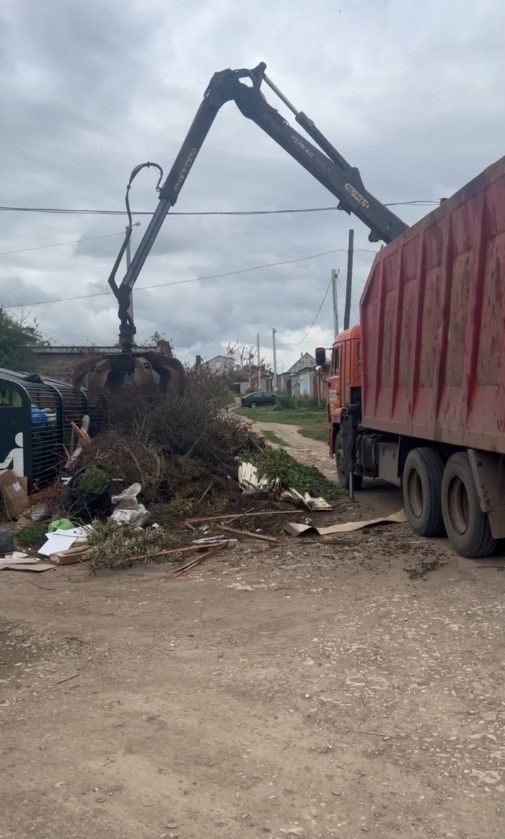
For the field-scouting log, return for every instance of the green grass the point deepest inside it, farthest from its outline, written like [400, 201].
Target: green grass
[289, 416]
[273, 438]
[311, 422]
[317, 431]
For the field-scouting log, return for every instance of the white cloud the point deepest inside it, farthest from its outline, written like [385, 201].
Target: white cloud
[409, 92]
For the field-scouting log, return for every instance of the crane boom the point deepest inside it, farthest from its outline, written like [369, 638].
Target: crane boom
[323, 161]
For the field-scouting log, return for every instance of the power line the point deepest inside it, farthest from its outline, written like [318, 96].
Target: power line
[325, 295]
[65, 211]
[194, 280]
[59, 244]
[62, 211]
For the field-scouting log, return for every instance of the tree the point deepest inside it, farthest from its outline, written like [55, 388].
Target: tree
[18, 341]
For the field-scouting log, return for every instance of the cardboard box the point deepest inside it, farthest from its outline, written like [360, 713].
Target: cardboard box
[14, 492]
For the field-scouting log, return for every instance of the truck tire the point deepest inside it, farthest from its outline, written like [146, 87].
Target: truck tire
[467, 526]
[343, 476]
[422, 485]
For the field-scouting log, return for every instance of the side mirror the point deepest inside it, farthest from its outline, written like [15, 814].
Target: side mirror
[320, 356]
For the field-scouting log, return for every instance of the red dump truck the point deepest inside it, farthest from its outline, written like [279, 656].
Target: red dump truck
[416, 392]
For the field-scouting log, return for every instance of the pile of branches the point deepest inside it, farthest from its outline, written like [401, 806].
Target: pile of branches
[181, 450]
[121, 547]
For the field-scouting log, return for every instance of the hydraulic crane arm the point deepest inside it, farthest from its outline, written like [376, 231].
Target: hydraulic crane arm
[324, 163]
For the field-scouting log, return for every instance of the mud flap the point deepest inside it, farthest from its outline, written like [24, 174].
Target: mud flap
[488, 472]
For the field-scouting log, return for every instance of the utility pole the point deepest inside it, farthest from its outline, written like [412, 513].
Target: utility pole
[259, 359]
[274, 349]
[334, 277]
[348, 283]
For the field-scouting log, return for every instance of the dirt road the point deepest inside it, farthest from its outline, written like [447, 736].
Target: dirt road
[297, 689]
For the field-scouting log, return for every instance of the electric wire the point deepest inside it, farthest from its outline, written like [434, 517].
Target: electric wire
[59, 244]
[65, 211]
[192, 280]
[305, 334]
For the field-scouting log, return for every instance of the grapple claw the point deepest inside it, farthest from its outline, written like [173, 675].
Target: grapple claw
[149, 373]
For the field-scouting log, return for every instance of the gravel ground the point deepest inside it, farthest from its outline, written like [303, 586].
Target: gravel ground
[304, 688]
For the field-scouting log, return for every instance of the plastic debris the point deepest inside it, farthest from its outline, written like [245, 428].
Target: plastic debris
[128, 508]
[249, 480]
[60, 524]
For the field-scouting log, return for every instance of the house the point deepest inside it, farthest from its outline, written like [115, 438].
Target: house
[305, 362]
[260, 378]
[300, 379]
[219, 364]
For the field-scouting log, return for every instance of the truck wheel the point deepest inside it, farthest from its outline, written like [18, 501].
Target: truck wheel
[343, 476]
[422, 483]
[467, 526]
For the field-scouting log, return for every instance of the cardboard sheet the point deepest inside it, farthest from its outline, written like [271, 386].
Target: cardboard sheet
[14, 489]
[32, 566]
[15, 558]
[296, 529]
[318, 504]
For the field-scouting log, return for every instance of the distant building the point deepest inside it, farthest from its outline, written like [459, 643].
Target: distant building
[260, 378]
[301, 378]
[219, 364]
[305, 362]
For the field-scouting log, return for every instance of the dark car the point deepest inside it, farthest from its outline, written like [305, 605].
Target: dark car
[253, 399]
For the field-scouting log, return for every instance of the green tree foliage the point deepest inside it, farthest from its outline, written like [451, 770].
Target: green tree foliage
[18, 342]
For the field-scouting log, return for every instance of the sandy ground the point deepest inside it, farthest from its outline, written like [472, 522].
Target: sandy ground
[307, 689]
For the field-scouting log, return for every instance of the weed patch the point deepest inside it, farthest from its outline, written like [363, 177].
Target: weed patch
[278, 465]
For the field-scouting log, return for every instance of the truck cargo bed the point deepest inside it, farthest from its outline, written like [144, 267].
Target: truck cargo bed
[433, 323]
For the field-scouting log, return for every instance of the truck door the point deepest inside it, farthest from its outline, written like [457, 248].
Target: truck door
[334, 383]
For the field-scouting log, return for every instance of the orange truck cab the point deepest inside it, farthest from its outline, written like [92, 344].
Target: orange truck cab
[342, 374]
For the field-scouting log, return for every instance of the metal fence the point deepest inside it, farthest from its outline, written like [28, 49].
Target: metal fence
[35, 424]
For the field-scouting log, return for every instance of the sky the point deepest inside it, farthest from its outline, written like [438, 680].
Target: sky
[409, 92]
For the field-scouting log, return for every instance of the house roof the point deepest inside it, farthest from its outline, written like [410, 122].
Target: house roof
[306, 361]
[220, 358]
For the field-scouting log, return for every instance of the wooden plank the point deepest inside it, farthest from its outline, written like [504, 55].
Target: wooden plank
[248, 534]
[230, 516]
[199, 559]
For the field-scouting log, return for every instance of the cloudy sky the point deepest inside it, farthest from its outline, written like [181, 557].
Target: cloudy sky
[409, 92]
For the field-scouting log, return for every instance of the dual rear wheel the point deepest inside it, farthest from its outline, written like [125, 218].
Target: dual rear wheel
[442, 499]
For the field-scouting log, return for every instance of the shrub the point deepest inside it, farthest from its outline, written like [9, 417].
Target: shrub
[285, 402]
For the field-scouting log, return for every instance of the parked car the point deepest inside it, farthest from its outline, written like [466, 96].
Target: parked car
[253, 399]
